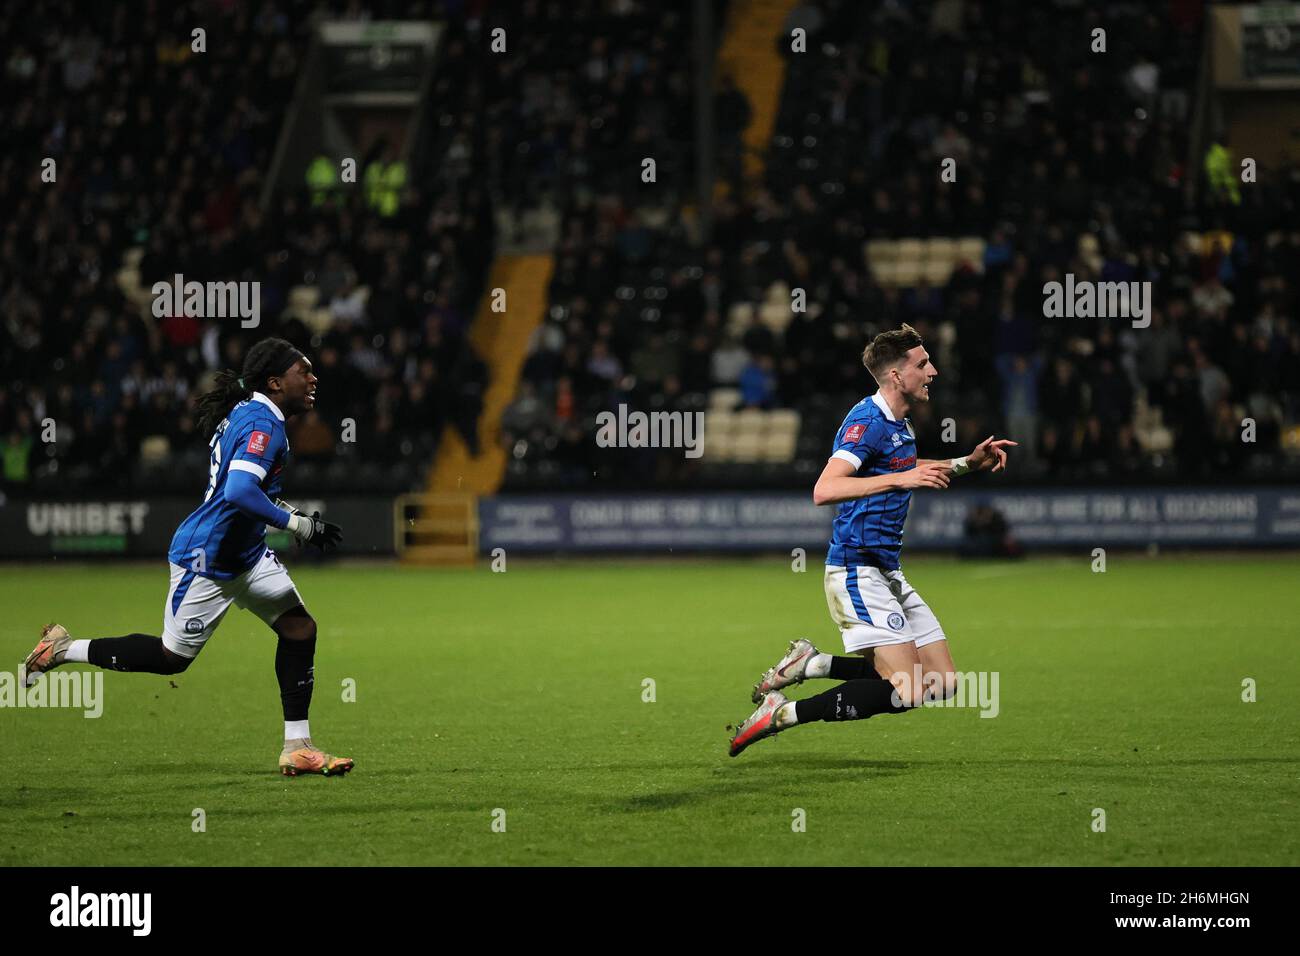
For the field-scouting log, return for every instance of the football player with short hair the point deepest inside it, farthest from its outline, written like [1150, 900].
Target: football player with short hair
[219, 554]
[892, 634]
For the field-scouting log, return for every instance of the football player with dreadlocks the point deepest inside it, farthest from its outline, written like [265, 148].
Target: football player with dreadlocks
[219, 554]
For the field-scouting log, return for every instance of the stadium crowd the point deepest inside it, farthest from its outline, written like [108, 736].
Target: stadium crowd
[165, 150]
[1066, 162]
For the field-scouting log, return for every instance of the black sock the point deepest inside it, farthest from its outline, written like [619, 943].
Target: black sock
[138, 653]
[852, 700]
[294, 667]
[852, 668]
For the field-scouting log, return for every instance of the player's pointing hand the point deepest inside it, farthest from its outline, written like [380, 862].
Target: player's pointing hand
[990, 452]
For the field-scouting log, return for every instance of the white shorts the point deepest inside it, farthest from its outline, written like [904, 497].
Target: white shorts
[196, 605]
[873, 608]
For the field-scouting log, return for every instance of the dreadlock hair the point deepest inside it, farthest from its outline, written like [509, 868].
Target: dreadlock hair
[889, 348]
[269, 357]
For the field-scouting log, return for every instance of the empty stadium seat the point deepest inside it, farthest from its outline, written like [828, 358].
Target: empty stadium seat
[779, 447]
[776, 315]
[724, 398]
[784, 419]
[908, 272]
[782, 435]
[747, 448]
[718, 421]
[881, 250]
[939, 249]
[751, 421]
[936, 271]
[318, 320]
[154, 449]
[718, 446]
[303, 298]
[910, 249]
[970, 250]
[885, 272]
[738, 317]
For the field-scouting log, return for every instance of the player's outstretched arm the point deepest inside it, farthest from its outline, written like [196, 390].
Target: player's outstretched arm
[988, 454]
[244, 492]
[837, 482]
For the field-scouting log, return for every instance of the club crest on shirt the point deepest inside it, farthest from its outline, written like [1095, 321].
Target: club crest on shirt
[897, 440]
[257, 443]
[854, 432]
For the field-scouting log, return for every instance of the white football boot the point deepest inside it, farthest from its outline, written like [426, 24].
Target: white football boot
[788, 670]
[50, 651]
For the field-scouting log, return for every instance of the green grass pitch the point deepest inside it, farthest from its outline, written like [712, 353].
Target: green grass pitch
[523, 691]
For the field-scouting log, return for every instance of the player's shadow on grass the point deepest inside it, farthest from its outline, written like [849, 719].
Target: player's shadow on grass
[723, 784]
[808, 763]
[424, 811]
[29, 797]
[1113, 761]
